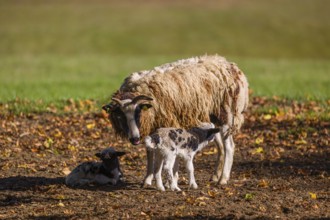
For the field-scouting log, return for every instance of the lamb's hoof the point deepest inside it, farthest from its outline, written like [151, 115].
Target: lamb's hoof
[175, 189]
[223, 182]
[193, 186]
[161, 189]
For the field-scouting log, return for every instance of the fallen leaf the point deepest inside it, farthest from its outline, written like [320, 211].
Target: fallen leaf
[212, 193]
[267, 117]
[66, 171]
[248, 196]
[90, 126]
[48, 143]
[259, 140]
[259, 150]
[202, 198]
[312, 195]
[263, 183]
[211, 151]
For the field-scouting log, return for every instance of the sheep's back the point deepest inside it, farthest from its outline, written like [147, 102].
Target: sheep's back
[186, 95]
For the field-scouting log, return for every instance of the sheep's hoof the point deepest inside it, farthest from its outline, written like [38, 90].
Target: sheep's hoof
[145, 185]
[214, 178]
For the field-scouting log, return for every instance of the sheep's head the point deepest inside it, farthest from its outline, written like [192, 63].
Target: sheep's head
[124, 115]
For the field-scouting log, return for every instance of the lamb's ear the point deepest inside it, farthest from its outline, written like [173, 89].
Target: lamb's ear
[212, 131]
[98, 155]
[120, 153]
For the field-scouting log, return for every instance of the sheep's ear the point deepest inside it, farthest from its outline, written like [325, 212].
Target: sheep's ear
[98, 155]
[120, 153]
[145, 106]
[212, 131]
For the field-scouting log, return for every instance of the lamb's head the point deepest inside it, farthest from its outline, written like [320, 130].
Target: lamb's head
[205, 133]
[125, 113]
[110, 156]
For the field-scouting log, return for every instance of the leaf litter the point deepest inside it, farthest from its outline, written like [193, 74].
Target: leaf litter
[281, 167]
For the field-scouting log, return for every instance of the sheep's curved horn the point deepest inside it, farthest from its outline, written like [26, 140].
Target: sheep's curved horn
[120, 102]
[141, 97]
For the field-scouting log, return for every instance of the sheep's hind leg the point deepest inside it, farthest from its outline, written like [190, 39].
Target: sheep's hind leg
[229, 158]
[150, 168]
[220, 159]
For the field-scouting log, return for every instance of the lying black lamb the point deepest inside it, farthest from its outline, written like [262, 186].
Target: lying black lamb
[105, 172]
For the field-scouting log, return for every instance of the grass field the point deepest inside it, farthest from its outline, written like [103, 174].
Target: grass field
[53, 51]
[61, 60]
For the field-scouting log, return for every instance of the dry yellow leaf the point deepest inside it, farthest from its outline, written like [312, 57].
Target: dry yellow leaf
[263, 183]
[259, 150]
[212, 193]
[267, 117]
[211, 151]
[259, 140]
[66, 171]
[313, 195]
[90, 126]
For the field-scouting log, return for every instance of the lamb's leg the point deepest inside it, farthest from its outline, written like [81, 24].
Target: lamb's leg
[150, 168]
[168, 169]
[190, 171]
[220, 159]
[229, 155]
[158, 166]
[176, 172]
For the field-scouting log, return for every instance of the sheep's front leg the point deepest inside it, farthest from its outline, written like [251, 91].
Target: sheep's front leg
[229, 155]
[220, 159]
[150, 168]
[190, 171]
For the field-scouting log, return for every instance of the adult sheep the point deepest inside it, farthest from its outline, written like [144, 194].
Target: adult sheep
[183, 94]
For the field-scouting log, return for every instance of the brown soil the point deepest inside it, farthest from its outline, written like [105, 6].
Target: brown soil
[281, 170]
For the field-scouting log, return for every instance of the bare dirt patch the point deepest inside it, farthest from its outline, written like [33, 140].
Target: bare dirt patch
[281, 170]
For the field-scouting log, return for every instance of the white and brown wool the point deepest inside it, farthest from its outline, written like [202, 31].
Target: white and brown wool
[183, 94]
[166, 144]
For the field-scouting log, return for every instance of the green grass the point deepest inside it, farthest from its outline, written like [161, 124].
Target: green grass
[95, 77]
[53, 51]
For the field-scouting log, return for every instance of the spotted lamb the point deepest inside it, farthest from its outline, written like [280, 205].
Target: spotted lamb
[168, 143]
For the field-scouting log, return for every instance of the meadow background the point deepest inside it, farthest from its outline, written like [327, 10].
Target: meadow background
[52, 51]
[61, 60]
